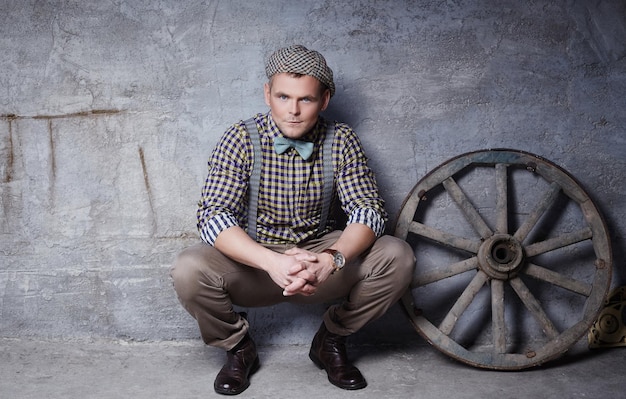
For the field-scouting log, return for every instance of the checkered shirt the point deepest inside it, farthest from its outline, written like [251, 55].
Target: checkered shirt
[291, 189]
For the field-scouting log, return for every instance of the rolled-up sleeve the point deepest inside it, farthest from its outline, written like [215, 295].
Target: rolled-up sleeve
[214, 225]
[369, 217]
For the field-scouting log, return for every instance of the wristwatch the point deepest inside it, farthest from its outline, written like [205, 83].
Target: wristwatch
[339, 261]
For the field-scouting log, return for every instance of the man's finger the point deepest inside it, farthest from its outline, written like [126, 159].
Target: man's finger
[294, 287]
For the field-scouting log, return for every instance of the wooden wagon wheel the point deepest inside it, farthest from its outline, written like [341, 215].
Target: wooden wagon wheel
[526, 259]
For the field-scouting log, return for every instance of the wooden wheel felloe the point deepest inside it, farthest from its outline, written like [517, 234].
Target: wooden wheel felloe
[513, 259]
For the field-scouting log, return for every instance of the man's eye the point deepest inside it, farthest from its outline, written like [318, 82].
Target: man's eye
[282, 97]
[306, 100]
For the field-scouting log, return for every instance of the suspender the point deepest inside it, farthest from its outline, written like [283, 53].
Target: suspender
[255, 177]
[329, 176]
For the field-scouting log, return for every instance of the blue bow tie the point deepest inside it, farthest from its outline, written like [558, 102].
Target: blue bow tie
[304, 148]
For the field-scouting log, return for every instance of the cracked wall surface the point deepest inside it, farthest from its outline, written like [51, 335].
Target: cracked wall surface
[109, 110]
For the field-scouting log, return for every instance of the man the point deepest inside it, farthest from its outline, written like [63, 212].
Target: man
[289, 249]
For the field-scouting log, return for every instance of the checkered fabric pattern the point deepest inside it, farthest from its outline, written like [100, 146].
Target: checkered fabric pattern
[298, 59]
[291, 189]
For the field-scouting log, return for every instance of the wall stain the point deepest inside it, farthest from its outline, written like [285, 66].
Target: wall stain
[81, 114]
[11, 118]
[53, 163]
[8, 174]
[146, 181]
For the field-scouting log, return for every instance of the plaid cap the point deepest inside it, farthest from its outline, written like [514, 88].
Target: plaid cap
[298, 59]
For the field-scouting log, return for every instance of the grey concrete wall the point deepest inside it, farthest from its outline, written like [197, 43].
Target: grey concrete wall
[110, 109]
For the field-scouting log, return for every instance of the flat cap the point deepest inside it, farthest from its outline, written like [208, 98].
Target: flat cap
[298, 59]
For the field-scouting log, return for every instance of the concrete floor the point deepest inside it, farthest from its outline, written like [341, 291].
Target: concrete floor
[118, 369]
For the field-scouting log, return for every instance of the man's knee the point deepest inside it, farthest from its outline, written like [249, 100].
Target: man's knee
[400, 257]
[186, 273]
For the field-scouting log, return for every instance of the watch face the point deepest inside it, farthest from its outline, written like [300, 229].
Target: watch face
[339, 260]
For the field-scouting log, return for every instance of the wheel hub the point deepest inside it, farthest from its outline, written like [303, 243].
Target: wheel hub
[501, 256]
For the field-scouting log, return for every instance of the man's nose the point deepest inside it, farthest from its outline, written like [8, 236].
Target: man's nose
[294, 108]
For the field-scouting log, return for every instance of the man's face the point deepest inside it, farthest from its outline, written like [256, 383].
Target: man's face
[295, 103]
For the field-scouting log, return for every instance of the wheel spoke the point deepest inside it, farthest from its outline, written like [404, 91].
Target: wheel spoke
[558, 242]
[444, 238]
[467, 208]
[497, 316]
[502, 223]
[533, 305]
[547, 275]
[449, 271]
[547, 200]
[463, 302]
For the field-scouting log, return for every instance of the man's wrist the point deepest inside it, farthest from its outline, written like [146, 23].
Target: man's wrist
[339, 261]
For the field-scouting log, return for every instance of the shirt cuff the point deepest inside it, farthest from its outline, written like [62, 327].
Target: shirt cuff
[370, 218]
[215, 225]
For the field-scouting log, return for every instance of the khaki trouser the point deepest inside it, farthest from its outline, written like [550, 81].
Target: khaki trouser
[208, 284]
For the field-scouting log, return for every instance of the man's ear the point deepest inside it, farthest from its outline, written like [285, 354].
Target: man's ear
[325, 99]
[266, 91]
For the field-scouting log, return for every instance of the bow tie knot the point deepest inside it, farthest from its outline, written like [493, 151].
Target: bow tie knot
[304, 148]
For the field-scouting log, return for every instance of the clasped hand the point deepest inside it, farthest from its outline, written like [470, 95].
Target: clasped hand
[301, 272]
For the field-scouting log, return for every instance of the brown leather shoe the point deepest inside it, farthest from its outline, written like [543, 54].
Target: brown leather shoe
[241, 362]
[328, 352]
